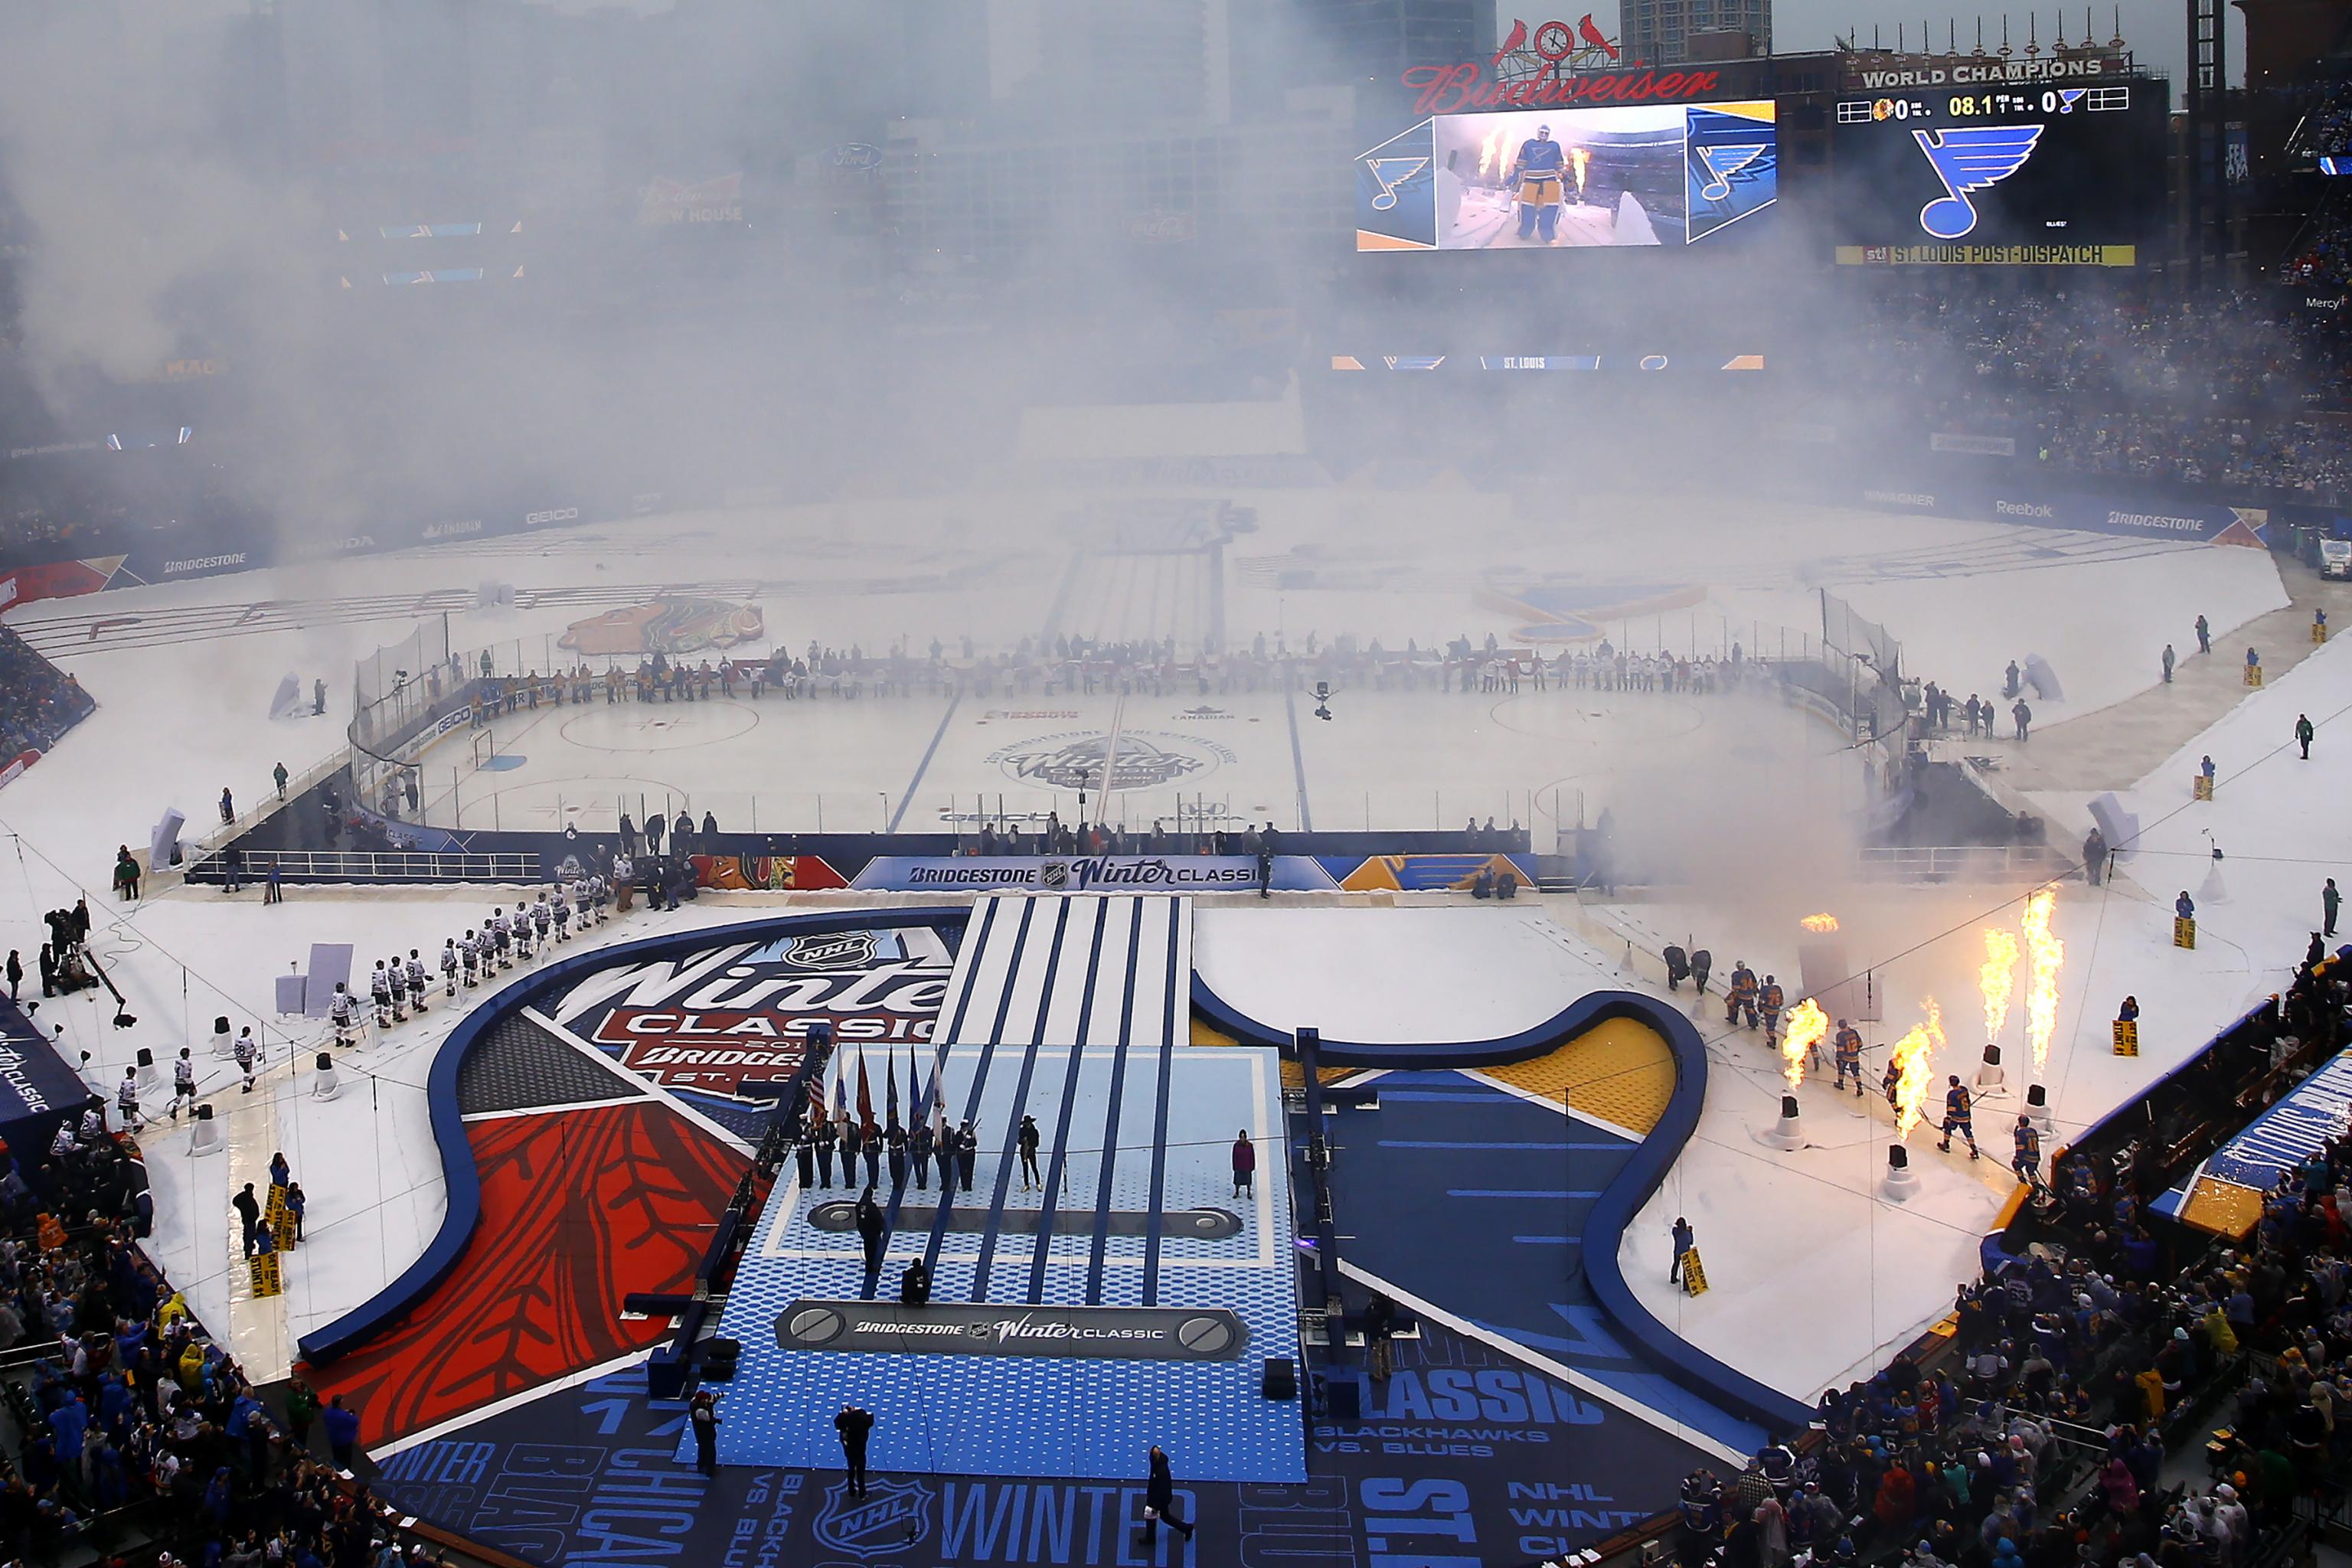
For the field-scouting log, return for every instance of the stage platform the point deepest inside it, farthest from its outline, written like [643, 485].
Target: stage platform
[1143, 1316]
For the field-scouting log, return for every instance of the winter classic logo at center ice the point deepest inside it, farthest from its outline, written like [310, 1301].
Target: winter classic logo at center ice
[742, 1012]
[1137, 758]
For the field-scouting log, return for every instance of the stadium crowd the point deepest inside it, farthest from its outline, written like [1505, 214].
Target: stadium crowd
[38, 702]
[2044, 1434]
[134, 1426]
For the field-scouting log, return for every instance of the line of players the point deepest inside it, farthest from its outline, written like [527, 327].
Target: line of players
[1762, 1004]
[398, 987]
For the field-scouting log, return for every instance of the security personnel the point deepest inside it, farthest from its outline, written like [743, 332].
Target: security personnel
[1848, 1046]
[1769, 1002]
[1742, 995]
[2028, 1163]
[1958, 1118]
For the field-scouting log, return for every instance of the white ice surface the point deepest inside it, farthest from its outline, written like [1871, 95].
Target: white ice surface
[1383, 976]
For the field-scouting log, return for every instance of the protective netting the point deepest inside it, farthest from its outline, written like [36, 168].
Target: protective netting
[1846, 633]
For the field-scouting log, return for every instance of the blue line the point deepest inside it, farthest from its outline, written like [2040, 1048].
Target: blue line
[1417, 1095]
[925, 765]
[1441, 1144]
[1513, 1192]
[1297, 760]
[947, 1187]
[976, 943]
[1549, 1240]
[1109, 1139]
[1011, 972]
[1051, 1205]
[1004, 1173]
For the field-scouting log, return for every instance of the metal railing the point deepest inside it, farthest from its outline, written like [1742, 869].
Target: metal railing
[376, 866]
[1962, 863]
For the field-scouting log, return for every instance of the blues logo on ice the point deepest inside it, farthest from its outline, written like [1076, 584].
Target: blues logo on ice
[890, 1517]
[1142, 759]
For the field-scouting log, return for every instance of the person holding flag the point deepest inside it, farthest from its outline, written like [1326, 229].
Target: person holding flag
[869, 1132]
[893, 1131]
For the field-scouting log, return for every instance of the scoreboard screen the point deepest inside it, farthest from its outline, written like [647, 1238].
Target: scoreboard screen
[2019, 174]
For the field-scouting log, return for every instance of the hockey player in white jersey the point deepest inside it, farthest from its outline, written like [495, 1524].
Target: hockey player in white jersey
[543, 919]
[469, 954]
[380, 992]
[562, 905]
[417, 982]
[449, 967]
[396, 979]
[183, 1083]
[341, 1011]
[126, 1100]
[247, 1054]
[501, 934]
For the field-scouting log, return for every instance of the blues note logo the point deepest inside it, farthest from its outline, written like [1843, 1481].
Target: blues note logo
[1389, 173]
[1723, 162]
[1969, 158]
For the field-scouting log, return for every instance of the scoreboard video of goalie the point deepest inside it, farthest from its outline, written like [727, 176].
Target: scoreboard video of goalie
[1998, 174]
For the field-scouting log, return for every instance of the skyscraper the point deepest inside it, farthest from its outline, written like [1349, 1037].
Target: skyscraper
[1658, 32]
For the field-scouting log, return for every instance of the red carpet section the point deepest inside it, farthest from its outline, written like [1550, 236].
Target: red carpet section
[580, 1208]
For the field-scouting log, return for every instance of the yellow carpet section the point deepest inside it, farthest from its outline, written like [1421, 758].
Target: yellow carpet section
[1620, 1071]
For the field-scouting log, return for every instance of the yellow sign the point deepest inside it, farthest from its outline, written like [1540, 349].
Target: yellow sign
[2126, 1036]
[2184, 932]
[1694, 1275]
[2203, 788]
[267, 1280]
[1988, 256]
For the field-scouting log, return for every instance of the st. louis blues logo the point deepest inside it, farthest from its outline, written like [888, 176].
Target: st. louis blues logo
[1969, 158]
[890, 1518]
[1724, 162]
[1389, 173]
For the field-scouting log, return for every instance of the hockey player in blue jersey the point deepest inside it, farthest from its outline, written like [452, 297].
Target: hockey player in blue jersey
[1958, 1118]
[1848, 1048]
[1538, 172]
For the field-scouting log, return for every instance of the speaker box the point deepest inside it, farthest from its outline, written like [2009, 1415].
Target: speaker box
[1280, 1378]
[1343, 1399]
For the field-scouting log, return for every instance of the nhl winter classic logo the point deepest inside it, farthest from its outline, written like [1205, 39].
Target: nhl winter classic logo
[1139, 759]
[892, 1516]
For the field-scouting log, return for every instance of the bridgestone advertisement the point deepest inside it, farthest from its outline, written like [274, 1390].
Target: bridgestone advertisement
[968, 1328]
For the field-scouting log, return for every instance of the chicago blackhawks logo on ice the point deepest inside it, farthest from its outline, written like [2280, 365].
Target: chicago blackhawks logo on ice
[742, 1012]
[1137, 758]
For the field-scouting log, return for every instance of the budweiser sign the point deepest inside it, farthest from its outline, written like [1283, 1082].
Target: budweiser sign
[1455, 89]
[744, 1012]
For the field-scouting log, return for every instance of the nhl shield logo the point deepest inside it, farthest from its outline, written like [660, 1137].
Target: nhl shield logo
[835, 950]
[891, 1517]
[1055, 875]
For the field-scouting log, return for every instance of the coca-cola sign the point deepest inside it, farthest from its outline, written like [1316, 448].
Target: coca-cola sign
[1459, 89]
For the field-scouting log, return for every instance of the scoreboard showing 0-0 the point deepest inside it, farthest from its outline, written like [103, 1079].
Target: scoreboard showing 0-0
[2021, 173]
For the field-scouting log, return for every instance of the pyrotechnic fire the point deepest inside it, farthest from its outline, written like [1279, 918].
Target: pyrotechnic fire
[1581, 157]
[1490, 156]
[2045, 954]
[1915, 1063]
[1997, 980]
[1819, 922]
[1807, 1025]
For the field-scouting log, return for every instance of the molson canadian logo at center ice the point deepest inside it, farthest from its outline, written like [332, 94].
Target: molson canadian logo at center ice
[744, 1012]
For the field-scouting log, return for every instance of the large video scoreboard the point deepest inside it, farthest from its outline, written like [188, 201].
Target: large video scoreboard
[2015, 174]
